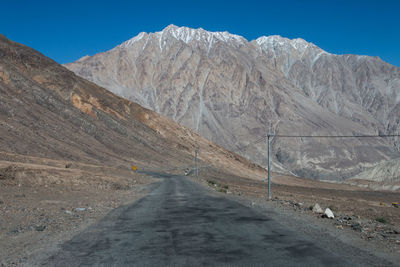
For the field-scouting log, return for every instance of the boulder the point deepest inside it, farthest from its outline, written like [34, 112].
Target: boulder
[329, 214]
[317, 209]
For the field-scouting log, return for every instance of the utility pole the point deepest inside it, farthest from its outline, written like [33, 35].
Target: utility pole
[196, 162]
[269, 164]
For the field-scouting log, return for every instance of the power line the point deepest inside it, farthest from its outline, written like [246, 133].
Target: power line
[261, 139]
[335, 136]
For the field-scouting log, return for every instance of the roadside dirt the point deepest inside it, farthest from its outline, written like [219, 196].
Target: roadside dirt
[46, 202]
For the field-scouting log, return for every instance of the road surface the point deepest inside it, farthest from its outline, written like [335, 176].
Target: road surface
[180, 223]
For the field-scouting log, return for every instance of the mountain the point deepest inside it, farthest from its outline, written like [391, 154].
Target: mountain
[233, 91]
[383, 176]
[47, 111]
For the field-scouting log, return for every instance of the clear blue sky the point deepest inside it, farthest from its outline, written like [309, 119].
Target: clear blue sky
[68, 30]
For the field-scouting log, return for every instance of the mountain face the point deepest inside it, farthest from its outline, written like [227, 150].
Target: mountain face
[233, 91]
[48, 111]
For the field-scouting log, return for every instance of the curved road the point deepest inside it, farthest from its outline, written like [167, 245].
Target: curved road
[182, 223]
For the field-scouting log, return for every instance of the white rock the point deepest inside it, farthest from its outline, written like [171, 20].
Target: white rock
[329, 213]
[317, 209]
[80, 209]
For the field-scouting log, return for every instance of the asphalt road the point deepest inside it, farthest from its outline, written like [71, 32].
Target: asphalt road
[180, 223]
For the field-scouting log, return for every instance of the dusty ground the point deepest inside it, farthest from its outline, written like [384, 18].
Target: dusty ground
[356, 209]
[45, 202]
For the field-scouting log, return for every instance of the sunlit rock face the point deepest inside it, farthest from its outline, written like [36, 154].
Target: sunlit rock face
[232, 91]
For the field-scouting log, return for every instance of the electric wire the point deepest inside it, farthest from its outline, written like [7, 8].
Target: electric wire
[265, 137]
[335, 136]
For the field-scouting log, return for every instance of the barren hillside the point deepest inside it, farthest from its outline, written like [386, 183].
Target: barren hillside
[47, 111]
[232, 91]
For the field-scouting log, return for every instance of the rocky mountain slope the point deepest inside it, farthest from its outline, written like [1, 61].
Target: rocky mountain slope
[47, 111]
[383, 176]
[232, 91]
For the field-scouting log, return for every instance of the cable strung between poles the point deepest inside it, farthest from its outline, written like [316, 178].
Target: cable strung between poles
[335, 136]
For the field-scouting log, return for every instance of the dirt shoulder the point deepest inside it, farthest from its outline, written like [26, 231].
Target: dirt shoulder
[356, 210]
[43, 205]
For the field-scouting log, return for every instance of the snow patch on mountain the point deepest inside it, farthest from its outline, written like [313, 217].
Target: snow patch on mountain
[188, 35]
[135, 39]
[277, 42]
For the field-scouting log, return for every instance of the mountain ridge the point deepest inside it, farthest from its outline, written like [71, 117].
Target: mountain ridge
[231, 89]
[271, 39]
[46, 111]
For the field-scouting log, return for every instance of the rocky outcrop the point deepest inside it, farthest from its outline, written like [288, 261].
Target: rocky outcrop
[232, 91]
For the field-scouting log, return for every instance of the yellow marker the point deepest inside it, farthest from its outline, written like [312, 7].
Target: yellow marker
[134, 168]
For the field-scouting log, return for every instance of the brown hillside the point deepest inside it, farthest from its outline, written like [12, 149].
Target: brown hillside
[47, 111]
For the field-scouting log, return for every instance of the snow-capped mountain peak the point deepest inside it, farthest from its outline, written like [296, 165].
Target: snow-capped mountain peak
[276, 41]
[189, 35]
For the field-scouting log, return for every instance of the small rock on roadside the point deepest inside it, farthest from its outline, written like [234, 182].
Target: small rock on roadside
[329, 214]
[80, 209]
[15, 231]
[356, 227]
[299, 204]
[347, 218]
[317, 209]
[40, 228]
